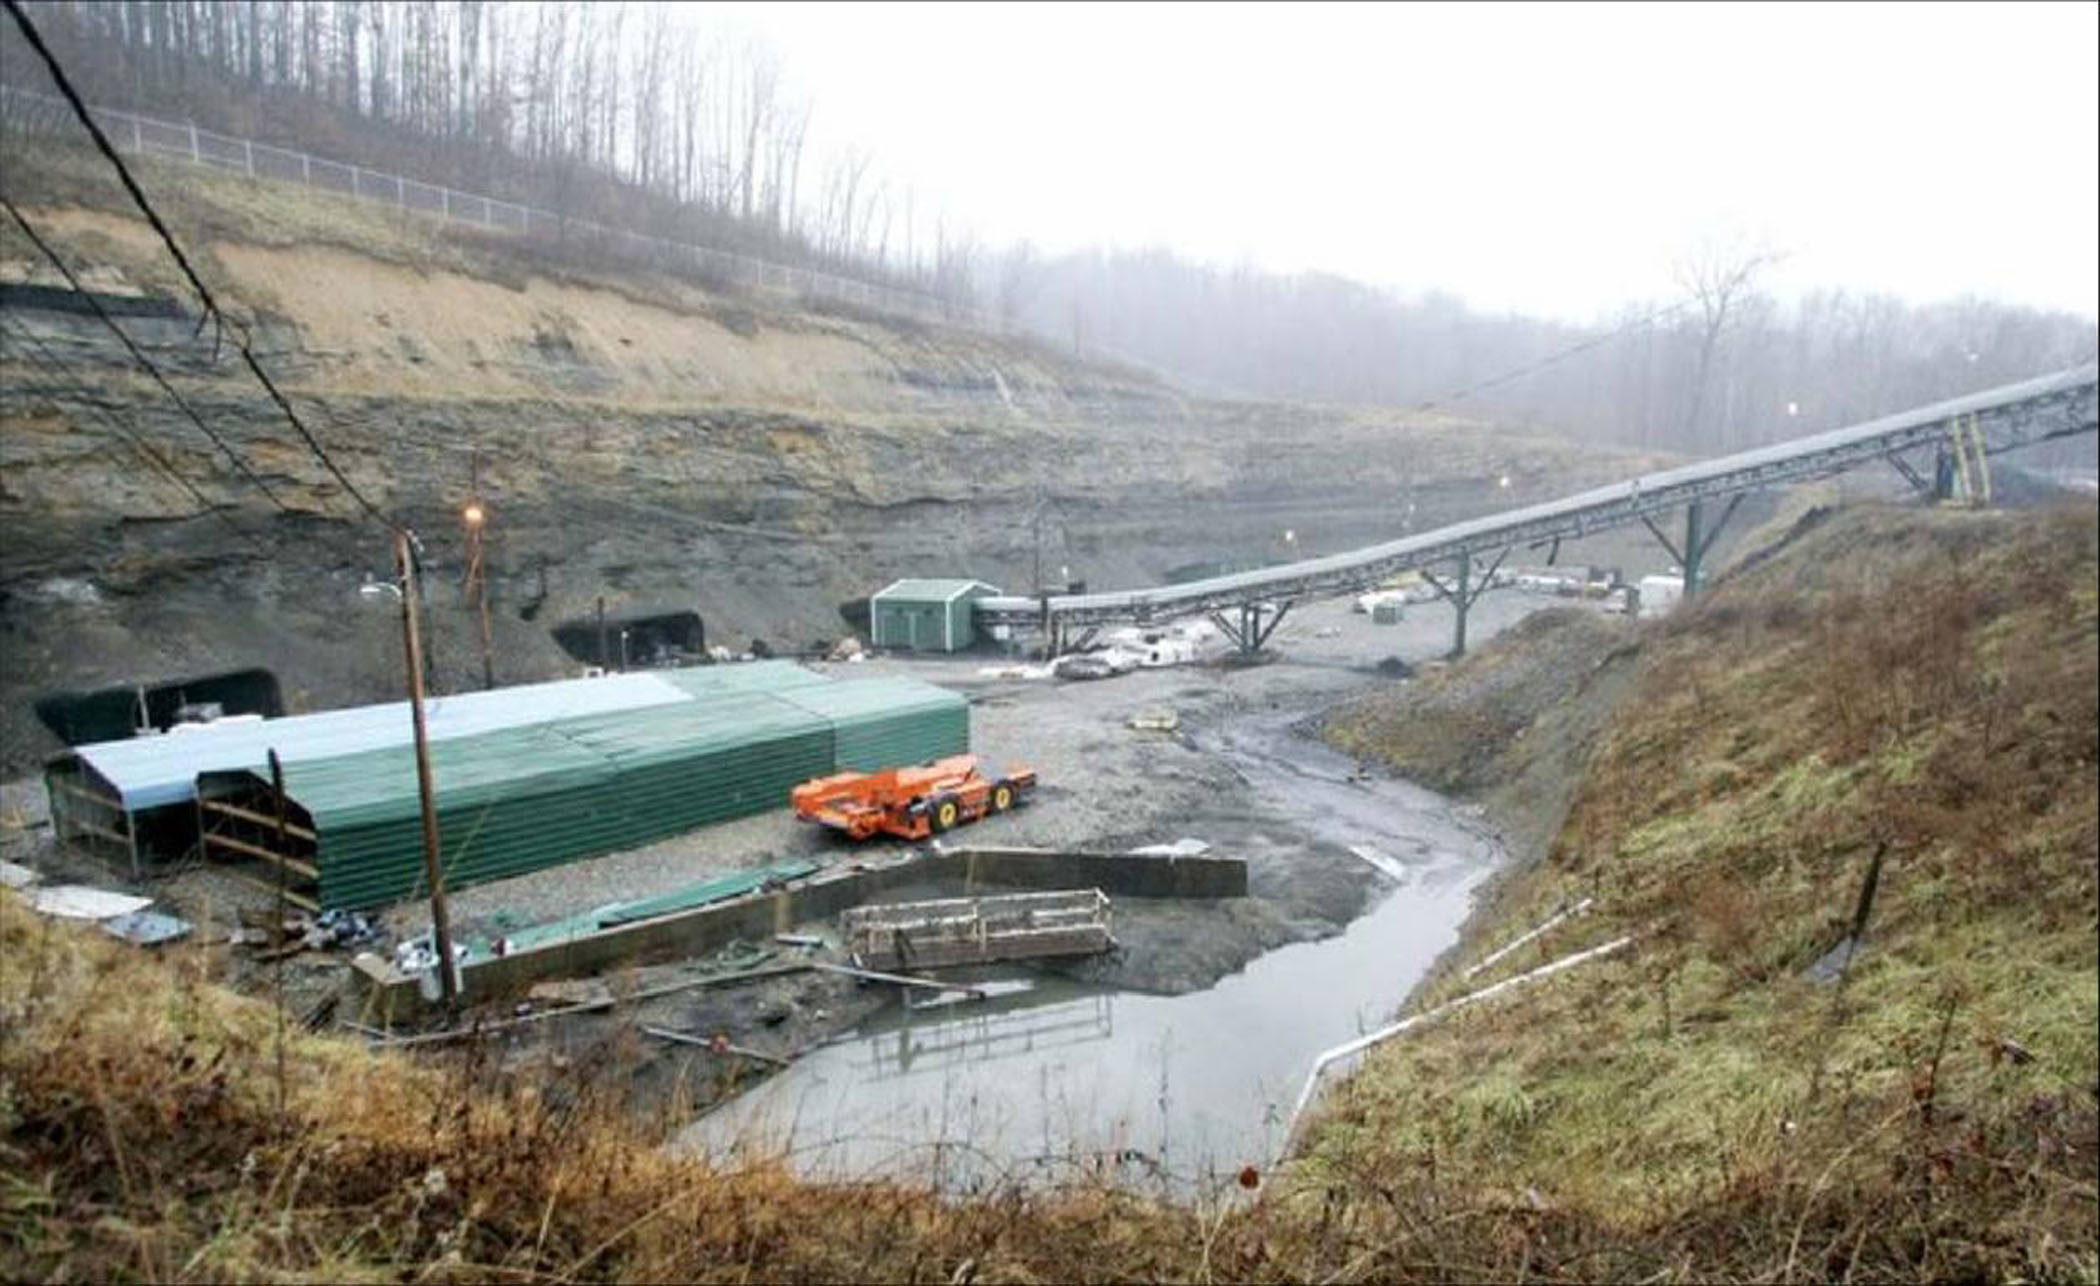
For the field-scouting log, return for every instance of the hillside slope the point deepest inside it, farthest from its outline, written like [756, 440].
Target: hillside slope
[1726, 1099]
[649, 438]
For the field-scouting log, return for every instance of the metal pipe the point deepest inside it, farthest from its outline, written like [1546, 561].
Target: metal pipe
[1547, 927]
[1361, 1043]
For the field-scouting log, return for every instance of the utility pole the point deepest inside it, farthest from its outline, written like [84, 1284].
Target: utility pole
[277, 955]
[475, 517]
[433, 866]
[1038, 524]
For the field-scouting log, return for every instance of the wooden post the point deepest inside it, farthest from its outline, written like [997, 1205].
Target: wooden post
[433, 866]
[277, 957]
[488, 644]
[475, 516]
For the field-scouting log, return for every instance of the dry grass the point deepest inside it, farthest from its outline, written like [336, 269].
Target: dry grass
[1920, 683]
[1698, 1110]
[140, 1139]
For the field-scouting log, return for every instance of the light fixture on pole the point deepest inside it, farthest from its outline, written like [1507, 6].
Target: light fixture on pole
[475, 517]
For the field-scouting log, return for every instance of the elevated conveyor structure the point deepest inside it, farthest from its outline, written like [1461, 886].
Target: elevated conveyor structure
[1951, 438]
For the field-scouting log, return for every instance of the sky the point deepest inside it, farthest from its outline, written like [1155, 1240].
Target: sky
[1553, 159]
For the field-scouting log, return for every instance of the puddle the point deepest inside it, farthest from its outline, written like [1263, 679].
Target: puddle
[1063, 1077]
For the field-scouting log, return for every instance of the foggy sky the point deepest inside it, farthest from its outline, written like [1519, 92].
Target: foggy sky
[1553, 159]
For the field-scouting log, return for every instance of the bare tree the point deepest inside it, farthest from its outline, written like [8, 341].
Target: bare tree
[1019, 277]
[1718, 281]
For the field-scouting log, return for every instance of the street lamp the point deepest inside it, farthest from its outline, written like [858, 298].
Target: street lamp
[474, 516]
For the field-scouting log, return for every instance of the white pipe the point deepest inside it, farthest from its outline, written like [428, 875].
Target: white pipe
[1577, 909]
[1361, 1043]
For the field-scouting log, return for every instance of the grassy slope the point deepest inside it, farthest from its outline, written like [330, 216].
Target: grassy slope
[1920, 681]
[1697, 1110]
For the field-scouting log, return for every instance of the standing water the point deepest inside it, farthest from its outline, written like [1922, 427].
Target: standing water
[1038, 1081]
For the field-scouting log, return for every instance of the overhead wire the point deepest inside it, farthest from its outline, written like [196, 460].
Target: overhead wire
[52, 366]
[138, 355]
[243, 342]
[1552, 359]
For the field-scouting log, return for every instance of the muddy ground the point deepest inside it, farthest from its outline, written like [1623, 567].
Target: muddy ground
[1104, 785]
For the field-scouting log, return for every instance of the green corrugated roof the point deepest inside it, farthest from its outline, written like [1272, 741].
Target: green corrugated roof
[862, 699]
[522, 799]
[746, 676]
[708, 760]
[887, 722]
[715, 721]
[380, 785]
[718, 889]
[931, 590]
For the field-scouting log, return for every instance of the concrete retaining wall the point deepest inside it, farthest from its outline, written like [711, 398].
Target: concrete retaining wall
[757, 917]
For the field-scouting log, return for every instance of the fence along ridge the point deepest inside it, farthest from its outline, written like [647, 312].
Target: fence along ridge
[148, 136]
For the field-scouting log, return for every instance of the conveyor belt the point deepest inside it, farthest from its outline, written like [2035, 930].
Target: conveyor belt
[2013, 415]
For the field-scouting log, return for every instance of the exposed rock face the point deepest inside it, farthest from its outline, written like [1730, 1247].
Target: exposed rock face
[636, 439]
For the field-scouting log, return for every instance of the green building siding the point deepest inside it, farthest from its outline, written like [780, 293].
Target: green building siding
[926, 615]
[685, 766]
[916, 627]
[508, 802]
[887, 723]
[520, 800]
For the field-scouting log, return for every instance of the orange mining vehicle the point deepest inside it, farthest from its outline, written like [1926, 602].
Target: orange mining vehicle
[910, 803]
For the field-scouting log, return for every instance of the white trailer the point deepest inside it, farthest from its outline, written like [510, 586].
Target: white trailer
[1659, 595]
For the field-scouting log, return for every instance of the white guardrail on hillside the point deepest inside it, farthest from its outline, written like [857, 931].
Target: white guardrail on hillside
[145, 136]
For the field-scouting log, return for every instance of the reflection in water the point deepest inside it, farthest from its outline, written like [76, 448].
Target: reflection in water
[1170, 1088]
[982, 1034]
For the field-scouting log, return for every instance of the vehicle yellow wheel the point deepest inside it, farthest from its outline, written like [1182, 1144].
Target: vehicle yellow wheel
[1002, 797]
[946, 813]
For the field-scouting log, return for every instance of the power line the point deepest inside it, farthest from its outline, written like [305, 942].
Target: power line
[211, 305]
[65, 87]
[1551, 359]
[51, 364]
[146, 363]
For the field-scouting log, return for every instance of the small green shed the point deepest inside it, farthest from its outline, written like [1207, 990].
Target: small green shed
[926, 615]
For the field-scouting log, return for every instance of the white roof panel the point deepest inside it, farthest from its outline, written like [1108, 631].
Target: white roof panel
[151, 772]
[925, 590]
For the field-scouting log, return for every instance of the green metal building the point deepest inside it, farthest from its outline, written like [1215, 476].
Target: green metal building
[926, 615]
[886, 723]
[522, 799]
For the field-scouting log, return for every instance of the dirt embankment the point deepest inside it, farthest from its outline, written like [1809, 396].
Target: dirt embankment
[1509, 726]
